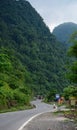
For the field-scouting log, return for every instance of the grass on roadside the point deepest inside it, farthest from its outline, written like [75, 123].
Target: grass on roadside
[17, 108]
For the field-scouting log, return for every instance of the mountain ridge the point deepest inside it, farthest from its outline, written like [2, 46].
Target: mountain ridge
[32, 60]
[64, 31]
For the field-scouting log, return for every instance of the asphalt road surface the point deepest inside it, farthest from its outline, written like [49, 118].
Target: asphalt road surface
[15, 120]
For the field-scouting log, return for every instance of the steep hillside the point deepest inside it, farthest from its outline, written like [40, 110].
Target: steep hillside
[64, 31]
[32, 61]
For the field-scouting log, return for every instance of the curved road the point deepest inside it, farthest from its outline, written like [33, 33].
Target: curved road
[14, 120]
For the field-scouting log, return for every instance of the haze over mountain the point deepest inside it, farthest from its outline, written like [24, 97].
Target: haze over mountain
[32, 61]
[64, 31]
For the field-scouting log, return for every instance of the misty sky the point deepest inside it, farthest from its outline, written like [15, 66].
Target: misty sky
[55, 12]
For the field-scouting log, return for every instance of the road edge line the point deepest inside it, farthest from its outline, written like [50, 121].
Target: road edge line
[31, 119]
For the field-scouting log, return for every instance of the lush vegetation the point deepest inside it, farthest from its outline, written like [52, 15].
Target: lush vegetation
[51, 96]
[32, 61]
[14, 88]
[73, 53]
[72, 71]
[70, 91]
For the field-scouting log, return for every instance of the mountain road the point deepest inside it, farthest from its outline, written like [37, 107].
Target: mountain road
[17, 120]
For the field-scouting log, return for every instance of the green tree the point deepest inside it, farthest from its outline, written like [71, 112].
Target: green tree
[70, 91]
[51, 95]
[5, 63]
[73, 53]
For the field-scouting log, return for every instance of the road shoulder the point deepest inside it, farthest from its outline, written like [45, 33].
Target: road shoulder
[50, 121]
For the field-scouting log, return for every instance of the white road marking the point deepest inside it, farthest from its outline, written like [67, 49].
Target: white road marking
[29, 121]
[21, 128]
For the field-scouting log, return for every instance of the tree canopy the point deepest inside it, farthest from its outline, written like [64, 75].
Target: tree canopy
[73, 53]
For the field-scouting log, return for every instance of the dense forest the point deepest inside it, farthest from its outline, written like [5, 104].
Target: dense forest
[32, 61]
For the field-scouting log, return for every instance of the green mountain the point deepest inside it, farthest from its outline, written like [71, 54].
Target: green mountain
[32, 61]
[64, 31]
